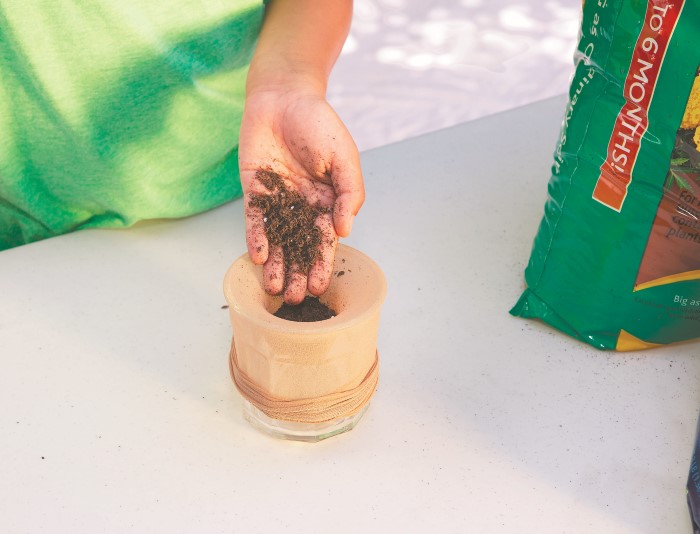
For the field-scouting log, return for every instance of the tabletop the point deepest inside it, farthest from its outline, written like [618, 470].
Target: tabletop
[117, 413]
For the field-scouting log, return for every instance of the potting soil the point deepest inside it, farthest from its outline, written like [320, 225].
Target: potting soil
[290, 221]
[308, 311]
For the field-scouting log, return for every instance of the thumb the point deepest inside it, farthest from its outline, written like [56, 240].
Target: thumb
[345, 209]
[350, 195]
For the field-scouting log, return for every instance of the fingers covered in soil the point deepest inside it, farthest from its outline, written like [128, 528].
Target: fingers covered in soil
[273, 272]
[295, 290]
[293, 235]
[322, 269]
[256, 240]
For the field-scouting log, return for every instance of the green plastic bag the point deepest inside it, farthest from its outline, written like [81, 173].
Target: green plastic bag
[616, 260]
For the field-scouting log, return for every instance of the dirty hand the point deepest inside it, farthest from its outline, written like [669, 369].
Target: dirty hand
[296, 133]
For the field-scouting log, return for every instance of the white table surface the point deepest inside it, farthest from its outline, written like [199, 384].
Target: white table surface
[117, 413]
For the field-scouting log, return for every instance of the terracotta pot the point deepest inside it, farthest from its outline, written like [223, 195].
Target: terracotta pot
[306, 381]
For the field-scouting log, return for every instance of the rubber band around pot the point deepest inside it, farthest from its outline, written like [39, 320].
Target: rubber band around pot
[313, 410]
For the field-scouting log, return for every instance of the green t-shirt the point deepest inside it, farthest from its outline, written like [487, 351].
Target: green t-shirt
[115, 111]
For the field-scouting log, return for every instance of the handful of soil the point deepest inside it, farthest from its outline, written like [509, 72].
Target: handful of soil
[310, 310]
[289, 221]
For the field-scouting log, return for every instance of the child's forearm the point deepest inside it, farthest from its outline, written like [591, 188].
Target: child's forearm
[299, 43]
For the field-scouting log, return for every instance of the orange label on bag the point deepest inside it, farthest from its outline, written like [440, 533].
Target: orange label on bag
[632, 121]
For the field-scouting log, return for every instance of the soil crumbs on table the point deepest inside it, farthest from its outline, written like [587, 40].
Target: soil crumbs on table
[310, 310]
[290, 221]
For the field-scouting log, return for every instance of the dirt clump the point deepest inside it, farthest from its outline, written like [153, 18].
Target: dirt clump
[289, 221]
[310, 310]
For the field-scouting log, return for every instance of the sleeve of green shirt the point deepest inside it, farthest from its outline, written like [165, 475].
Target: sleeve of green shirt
[115, 111]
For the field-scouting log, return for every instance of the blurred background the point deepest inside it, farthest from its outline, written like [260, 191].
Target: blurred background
[413, 66]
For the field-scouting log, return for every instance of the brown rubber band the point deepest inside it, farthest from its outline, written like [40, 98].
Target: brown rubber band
[313, 410]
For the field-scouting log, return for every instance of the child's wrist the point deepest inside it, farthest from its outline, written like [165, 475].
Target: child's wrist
[285, 76]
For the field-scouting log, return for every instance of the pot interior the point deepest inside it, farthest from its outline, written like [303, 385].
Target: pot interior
[357, 289]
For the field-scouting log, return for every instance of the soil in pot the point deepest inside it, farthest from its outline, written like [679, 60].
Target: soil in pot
[310, 310]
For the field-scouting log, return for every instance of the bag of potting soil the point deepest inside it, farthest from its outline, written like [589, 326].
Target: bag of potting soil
[694, 485]
[616, 260]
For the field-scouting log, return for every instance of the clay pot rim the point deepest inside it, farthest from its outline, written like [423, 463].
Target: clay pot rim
[334, 324]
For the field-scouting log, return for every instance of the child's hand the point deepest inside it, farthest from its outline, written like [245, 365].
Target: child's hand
[296, 133]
